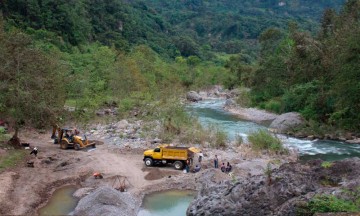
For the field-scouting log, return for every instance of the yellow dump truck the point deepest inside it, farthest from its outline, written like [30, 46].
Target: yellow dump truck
[166, 154]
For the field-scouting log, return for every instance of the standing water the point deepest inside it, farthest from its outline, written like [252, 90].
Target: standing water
[211, 112]
[172, 202]
[61, 202]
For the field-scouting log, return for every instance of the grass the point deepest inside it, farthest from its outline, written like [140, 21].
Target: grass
[11, 159]
[220, 139]
[262, 140]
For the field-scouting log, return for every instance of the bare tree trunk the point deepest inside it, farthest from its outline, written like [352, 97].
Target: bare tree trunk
[15, 141]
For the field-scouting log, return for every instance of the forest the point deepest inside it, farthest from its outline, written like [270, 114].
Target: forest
[298, 56]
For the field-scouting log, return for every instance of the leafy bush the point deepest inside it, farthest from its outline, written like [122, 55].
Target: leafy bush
[273, 106]
[330, 203]
[262, 140]
[244, 98]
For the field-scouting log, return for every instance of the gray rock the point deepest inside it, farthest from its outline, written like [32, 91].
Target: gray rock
[106, 201]
[355, 141]
[193, 96]
[122, 124]
[230, 103]
[286, 122]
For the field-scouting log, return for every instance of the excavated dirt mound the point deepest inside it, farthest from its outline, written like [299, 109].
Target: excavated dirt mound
[156, 173]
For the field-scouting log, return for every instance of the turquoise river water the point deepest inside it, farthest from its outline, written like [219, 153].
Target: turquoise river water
[211, 112]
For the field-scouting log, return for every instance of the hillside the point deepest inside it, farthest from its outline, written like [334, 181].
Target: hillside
[188, 27]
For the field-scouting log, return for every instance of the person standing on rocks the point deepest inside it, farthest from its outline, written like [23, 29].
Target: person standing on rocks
[216, 162]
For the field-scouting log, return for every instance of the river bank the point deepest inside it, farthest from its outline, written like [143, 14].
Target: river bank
[25, 189]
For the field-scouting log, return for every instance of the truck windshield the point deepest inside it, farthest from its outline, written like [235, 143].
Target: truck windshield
[157, 150]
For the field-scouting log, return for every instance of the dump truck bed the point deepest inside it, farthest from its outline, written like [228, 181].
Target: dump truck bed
[176, 153]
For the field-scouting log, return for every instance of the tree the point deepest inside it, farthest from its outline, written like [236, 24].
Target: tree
[30, 82]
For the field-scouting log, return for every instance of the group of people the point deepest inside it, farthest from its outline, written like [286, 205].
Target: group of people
[197, 166]
[223, 168]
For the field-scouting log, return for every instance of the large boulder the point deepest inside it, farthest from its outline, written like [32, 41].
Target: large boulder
[193, 96]
[285, 122]
[291, 186]
[107, 201]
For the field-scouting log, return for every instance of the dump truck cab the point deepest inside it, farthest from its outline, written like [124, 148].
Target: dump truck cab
[155, 154]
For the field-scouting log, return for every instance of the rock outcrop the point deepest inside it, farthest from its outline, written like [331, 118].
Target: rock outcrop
[285, 122]
[230, 103]
[107, 201]
[193, 96]
[288, 189]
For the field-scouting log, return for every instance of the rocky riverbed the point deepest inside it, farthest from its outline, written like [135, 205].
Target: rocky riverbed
[284, 191]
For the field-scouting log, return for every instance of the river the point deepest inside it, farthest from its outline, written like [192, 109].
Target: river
[211, 112]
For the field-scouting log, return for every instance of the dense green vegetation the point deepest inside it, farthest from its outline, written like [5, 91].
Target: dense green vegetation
[139, 54]
[188, 27]
[317, 76]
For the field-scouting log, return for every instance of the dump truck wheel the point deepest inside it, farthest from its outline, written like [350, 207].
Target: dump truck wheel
[148, 162]
[77, 146]
[64, 144]
[178, 165]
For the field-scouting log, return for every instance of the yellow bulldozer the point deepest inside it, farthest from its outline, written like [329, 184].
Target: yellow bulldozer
[69, 138]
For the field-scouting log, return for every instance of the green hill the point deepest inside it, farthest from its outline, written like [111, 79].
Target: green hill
[188, 27]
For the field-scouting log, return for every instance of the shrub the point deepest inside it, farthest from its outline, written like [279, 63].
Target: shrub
[262, 140]
[2, 130]
[244, 98]
[220, 139]
[3, 135]
[326, 164]
[330, 203]
[273, 106]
